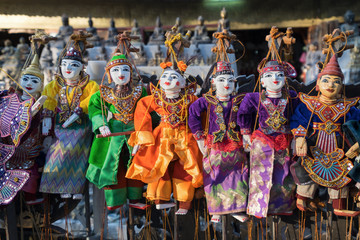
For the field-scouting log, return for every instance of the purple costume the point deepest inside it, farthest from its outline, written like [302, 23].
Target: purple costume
[15, 120]
[271, 187]
[225, 164]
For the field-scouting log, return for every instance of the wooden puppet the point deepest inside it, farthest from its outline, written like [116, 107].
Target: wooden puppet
[320, 142]
[168, 156]
[111, 111]
[17, 129]
[271, 187]
[225, 165]
[28, 151]
[66, 114]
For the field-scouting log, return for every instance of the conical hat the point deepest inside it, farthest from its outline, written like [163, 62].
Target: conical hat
[34, 68]
[332, 68]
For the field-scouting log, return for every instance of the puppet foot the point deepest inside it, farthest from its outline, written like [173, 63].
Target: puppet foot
[181, 211]
[164, 205]
[346, 213]
[138, 205]
[215, 218]
[65, 195]
[110, 208]
[77, 196]
[304, 205]
[240, 216]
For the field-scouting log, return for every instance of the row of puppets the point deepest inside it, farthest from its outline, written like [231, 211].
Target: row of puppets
[260, 153]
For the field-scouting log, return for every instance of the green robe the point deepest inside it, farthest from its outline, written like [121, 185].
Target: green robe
[105, 152]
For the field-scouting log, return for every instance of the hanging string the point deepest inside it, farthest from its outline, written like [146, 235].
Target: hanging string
[261, 229]
[214, 230]
[207, 217]
[243, 54]
[197, 218]
[316, 226]
[103, 223]
[164, 224]
[250, 226]
[66, 218]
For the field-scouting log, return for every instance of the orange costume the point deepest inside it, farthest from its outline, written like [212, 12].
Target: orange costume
[170, 152]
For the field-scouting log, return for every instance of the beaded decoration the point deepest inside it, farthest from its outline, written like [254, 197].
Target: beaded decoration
[124, 105]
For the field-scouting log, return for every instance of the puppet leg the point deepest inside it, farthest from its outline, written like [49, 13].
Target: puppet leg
[304, 194]
[182, 187]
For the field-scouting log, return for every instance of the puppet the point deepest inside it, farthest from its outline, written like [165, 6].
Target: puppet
[168, 156]
[66, 114]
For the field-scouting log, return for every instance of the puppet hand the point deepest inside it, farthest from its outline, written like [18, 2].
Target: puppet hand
[135, 149]
[37, 105]
[104, 130]
[247, 142]
[353, 151]
[46, 126]
[301, 146]
[201, 144]
[70, 120]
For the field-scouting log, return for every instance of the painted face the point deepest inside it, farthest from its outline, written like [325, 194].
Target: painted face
[273, 81]
[225, 84]
[71, 69]
[120, 74]
[172, 80]
[31, 83]
[330, 86]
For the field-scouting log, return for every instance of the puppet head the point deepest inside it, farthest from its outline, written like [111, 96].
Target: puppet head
[330, 80]
[273, 75]
[119, 70]
[172, 80]
[32, 78]
[72, 66]
[223, 79]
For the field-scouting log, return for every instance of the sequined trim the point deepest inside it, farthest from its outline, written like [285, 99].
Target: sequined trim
[48, 113]
[66, 108]
[276, 121]
[326, 169]
[124, 105]
[176, 109]
[328, 112]
[14, 117]
[78, 111]
[245, 131]
[199, 135]
[223, 129]
[299, 132]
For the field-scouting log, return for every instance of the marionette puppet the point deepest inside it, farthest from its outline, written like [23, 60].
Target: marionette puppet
[271, 187]
[225, 165]
[27, 152]
[320, 141]
[111, 111]
[20, 141]
[167, 158]
[66, 113]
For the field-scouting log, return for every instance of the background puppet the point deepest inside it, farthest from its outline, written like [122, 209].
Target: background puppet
[225, 165]
[320, 142]
[167, 157]
[111, 111]
[271, 187]
[65, 111]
